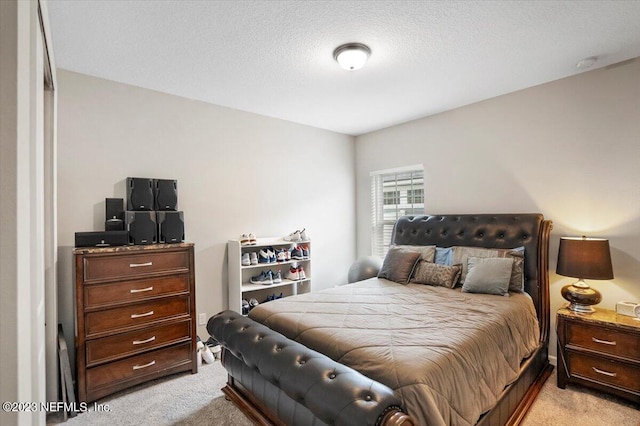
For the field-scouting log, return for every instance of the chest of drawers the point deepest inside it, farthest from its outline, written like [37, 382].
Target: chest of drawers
[600, 350]
[135, 316]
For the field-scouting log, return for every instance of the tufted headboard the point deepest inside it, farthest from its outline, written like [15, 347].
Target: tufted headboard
[492, 231]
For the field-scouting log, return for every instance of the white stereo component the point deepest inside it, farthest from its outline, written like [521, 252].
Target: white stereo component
[628, 308]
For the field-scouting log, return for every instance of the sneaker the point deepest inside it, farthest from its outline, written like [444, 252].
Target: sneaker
[288, 253]
[272, 254]
[244, 240]
[246, 261]
[296, 253]
[281, 255]
[264, 278]
[253, 303]
[305, 251]
[303, 235]
[301, 273]
[278, 297]
[294, 236]
[292, 274]
[245, 307]
[252, 239]
[277, 277]
[254, 258]
[264, 256]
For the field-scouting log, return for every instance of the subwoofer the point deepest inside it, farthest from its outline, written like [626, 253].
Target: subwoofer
[139, 194]
[102, 239]
[141, 227]
[166, 194]
[170, 227]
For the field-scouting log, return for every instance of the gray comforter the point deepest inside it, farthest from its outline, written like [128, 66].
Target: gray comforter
[447, 354]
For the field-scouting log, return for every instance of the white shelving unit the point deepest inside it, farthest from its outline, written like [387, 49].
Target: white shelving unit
[240, 286]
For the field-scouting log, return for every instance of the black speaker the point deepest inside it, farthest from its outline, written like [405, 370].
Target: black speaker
[170, 227]
[114, 214]
[139, 194]
[166, 194]
[141, 227]
[102, 239]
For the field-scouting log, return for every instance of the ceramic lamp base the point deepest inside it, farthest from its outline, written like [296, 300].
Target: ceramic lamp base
[581, 298]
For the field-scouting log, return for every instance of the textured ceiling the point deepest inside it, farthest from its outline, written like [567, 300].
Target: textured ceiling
[275, 57]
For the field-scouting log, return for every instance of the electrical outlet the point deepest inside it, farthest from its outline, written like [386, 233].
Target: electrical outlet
[202, 319]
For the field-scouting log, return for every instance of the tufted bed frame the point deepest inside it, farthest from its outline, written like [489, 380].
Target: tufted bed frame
[277, 381]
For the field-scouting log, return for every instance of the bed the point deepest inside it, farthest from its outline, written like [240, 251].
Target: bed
[384, 351]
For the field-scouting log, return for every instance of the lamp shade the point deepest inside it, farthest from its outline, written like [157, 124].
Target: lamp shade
[585, 258]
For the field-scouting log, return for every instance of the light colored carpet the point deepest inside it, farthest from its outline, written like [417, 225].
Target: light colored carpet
[196, 399]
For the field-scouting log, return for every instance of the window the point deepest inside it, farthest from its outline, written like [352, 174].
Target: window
[394, 193]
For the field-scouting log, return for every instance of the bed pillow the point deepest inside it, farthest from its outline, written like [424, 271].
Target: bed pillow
[435, 274]
[488, 275]
[427, 253]
[460, 254]
[398, 264]
[444, 256]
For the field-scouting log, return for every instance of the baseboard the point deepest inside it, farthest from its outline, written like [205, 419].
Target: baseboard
[553, 360]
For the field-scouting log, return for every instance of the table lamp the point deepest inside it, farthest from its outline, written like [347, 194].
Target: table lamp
[583, 258]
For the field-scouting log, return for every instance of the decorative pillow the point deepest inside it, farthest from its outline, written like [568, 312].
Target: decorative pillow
[435, 274]
[460, 254]
[427, 253]
[489, 275]
[444, 256]
[398, 264]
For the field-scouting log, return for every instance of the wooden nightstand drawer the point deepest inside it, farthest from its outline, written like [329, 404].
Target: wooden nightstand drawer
[125, 344]
[112, 320]
[122, 266]
[603, 339]
[600, 350]
[604, 370]
[103, 295]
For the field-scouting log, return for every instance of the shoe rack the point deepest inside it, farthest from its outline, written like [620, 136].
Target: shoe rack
[240, 286]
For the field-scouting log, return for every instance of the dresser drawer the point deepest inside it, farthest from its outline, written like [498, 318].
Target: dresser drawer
[604, 370]
[122, 266]
[125, 344]
[137, 366]
[603, 339]
[117, 319]
[100, 295]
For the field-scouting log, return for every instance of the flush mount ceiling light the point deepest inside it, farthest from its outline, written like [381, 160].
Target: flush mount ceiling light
[352, 56]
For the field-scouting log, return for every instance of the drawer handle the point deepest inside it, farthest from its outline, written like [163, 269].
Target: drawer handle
[606, 373]
[146, 314]
[141, 342]
[137, 265]
[149, 364]
[604, 342]
[140, 290]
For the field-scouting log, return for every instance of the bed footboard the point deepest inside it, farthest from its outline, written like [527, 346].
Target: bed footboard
[293, 382]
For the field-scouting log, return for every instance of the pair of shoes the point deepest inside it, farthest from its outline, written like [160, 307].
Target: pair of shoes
[247, 239]
[296, 273]
[283, 255]
[297, 236]
[249, 259]
[274, 297]
[267, 278]
[205, 352]
[246, 307]
[267, 255]
[300, 252]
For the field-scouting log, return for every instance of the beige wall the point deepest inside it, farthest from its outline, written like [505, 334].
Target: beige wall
[237, 173]
[569, 149]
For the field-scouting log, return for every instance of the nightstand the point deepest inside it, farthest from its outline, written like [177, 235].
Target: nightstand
[599, 350]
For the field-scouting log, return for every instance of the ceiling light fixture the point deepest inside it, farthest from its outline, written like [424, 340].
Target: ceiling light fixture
[352, 56]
